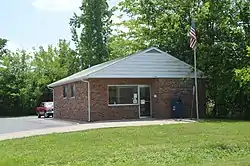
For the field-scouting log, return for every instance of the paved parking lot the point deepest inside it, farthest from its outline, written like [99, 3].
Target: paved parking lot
[55, 126]
[10, 125]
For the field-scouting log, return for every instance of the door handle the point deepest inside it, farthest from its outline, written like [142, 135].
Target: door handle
[142, 101]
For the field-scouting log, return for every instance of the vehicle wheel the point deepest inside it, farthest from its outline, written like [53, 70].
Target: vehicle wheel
[39, 116]
[46, 115]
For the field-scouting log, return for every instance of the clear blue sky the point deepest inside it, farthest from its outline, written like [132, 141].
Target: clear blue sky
[28, 23]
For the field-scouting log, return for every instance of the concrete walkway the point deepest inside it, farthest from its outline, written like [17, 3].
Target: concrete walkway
[88, 126]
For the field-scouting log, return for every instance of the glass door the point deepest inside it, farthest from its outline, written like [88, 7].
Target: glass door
[145, 104]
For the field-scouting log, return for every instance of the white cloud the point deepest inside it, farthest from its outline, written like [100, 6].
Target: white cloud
[57, 5]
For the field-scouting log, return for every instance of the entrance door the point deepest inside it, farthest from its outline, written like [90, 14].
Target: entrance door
[145, 106]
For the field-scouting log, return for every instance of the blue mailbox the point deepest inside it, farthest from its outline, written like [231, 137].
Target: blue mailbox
[177, 108]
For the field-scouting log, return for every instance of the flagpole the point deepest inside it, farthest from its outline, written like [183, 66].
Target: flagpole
[196, 85]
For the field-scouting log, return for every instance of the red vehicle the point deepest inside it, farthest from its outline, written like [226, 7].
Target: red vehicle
[46, 109]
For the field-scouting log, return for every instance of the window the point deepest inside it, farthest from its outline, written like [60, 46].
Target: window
[73, 90]
[123, 95]
[48, 104]
[65, 90]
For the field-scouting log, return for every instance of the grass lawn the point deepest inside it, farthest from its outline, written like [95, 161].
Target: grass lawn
[205, 143]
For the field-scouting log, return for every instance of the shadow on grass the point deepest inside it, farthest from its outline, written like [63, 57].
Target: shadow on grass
[218, 120]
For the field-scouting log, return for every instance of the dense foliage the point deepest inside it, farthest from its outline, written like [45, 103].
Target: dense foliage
[24, 76]
[243, 75]
[93, 24]
[223, 30]
[2, 45]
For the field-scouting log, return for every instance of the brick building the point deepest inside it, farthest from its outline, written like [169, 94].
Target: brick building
[140, 85]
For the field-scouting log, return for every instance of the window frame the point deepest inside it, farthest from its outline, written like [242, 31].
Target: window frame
[121, 85]
[65, 92]
[74, 90]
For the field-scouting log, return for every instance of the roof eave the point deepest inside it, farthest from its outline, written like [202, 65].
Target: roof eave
[55, 84]
[122, 76]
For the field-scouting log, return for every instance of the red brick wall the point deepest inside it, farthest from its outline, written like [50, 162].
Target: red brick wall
[72, 108]
[167, 89]
[99, 100]
[164, 89]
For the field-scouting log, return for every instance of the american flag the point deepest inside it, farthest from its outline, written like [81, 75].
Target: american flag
[192, 35]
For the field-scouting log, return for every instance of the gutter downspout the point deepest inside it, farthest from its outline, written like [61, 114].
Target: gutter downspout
[88, 99]
[53, 100]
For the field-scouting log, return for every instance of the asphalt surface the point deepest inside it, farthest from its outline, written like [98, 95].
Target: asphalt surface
[88, 126]
[10, 125]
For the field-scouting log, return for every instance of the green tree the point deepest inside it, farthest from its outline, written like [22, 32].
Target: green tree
[94, 26]
[50, 65]
[3, 43]
[243, 75]
[223, 33]
[24, 76]
[14, 78]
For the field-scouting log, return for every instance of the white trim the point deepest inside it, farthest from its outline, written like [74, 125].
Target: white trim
[144, 86]
[150, 95]
[122, 76]
[53, 101]
[139, 102]
[151, 103]
[54, 104]
[140, 76]
[117, 105]
[139, 98]
[122, 85]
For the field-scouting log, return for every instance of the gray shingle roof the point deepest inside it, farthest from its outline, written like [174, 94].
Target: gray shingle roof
[150, 63]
